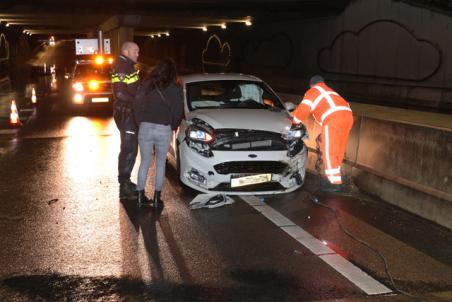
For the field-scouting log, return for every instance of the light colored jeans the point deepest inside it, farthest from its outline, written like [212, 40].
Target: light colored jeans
[149, 136]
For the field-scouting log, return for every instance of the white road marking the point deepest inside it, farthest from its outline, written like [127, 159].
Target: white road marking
[353, 273]
[306, 239]
[8, 131]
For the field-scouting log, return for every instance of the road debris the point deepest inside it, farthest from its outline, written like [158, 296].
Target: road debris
[52, 201]
[210, 201]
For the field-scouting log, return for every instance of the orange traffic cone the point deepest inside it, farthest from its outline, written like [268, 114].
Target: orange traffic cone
[33, 96]
[14, 115]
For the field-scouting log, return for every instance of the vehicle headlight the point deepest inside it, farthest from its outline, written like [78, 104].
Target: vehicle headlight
[297, 132]
[199, 135]
[295, 136]
[93, 85]
[199, 139]
[78, 87]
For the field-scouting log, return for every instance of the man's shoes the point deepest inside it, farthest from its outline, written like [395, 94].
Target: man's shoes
[143, 200]
[127, 190]
[332, 188]
[326, 186]
[158, 202]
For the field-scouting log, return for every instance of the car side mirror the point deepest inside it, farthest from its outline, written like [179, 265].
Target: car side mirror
[290, 106]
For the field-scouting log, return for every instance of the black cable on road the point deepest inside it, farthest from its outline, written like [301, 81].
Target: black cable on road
[315, 200]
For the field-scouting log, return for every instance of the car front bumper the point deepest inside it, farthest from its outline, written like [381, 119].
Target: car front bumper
[203, 173]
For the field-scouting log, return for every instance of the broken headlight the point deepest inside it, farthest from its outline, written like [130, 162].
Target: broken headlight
[198, 136]
[297, 132]
[294, 137]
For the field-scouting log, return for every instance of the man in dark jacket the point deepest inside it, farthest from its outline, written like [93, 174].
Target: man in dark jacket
[124, 80]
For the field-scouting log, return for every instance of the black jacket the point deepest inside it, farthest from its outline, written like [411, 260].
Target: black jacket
[124, 80]
[150, 107]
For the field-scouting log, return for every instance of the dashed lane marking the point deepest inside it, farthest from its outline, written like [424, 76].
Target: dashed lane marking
[347, 269]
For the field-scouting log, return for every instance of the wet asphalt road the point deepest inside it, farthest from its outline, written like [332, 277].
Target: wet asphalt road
[65, 235]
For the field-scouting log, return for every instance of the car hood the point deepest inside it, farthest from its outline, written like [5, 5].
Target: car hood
[255, 119]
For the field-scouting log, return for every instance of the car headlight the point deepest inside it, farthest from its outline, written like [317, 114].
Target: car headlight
[294, 134]
[199, 135]
[294, 137]
[78, 87]
[297, 132]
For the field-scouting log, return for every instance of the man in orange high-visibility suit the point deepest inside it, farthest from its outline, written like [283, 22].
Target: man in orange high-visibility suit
[333, 113]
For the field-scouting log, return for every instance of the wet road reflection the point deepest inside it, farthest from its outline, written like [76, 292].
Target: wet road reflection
[67, 236]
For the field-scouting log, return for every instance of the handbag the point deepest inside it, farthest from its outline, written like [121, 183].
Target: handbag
[168, 105]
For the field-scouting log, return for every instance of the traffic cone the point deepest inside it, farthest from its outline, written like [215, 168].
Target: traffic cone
[33, 96]
[14, 115]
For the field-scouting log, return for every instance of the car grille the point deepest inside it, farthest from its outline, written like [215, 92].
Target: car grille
[248, 140]
[256, 167]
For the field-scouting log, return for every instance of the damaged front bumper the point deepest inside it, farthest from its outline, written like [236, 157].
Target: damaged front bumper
[243, 172]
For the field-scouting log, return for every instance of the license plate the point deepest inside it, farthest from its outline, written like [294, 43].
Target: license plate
[250, 180]
[100, 100]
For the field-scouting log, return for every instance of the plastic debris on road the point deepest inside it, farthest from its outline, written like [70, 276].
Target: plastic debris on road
[210, 201]
[49, 202]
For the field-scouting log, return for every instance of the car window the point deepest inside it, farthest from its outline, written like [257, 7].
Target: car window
[88, 70]
[231, 94]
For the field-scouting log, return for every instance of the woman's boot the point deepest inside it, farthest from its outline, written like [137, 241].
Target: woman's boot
[143, 200]
[158, 202]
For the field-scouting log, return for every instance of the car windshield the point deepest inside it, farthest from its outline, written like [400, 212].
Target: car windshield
[83, 71]
[231, 94]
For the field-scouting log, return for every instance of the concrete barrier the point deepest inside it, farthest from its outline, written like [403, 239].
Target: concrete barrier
[403, 163]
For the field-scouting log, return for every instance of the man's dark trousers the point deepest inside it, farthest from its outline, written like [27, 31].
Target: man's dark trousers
[128, 129]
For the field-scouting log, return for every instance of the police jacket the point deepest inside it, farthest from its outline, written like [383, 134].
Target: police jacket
[164, 109]
[124, 80]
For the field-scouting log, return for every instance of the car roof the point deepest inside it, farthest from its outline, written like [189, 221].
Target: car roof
[202, 77]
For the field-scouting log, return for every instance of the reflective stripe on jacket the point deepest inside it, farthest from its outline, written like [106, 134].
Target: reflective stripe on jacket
[321, 101]
[124, 80]
[127, 79]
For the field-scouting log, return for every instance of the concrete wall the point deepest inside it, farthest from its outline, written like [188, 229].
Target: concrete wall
[407, 165]
[380, 51]
[375, 50]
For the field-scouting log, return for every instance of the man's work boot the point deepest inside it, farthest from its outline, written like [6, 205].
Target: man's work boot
[143, 200]
[329, 187]
[127, 190]
[158, 202]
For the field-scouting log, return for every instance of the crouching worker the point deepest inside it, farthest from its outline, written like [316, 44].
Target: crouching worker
[158, 110]
[333, 113]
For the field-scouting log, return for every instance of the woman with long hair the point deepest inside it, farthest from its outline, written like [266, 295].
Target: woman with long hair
[158, 109]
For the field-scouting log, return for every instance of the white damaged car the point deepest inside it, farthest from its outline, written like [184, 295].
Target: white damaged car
[237, 137]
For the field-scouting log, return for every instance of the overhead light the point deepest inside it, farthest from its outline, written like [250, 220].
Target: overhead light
[204, 28]
[223, 25]
[167, 34]
[152, 36]
[159, 35]
[248, 23]
[7, 24]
